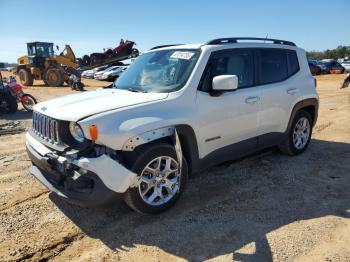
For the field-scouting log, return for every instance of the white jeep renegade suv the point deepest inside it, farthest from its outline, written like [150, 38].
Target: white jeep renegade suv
[177, 109]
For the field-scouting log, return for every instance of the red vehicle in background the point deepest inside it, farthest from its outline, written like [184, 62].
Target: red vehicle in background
[124, 50]
[314, 68]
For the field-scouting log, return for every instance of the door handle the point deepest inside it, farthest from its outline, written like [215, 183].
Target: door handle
[252, 99]
[292, 91]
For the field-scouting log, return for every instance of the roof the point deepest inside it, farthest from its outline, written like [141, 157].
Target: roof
[38, 42]
[232, 42]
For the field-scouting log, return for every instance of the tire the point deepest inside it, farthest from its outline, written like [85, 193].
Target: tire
[28, 101]
[25, 77]
[11, 103]
[290, 145]
[80, 62]
[147, 157]
[54, 77]
[45, 82]
[95, 60]
[86, 60]
[135, 53]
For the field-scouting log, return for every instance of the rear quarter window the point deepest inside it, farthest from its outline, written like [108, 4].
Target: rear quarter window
[273, 65]
[293, 62]
[276, 65]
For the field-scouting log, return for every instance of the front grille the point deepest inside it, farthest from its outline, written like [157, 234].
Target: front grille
[45, 127]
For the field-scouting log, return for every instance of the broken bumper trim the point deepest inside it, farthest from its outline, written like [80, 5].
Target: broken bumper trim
[91, 192]
[91, 182]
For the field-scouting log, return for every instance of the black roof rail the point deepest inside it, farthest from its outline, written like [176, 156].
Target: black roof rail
[230, 40]
[161, 46]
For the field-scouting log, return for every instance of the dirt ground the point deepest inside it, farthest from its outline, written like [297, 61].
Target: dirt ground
[265, 207]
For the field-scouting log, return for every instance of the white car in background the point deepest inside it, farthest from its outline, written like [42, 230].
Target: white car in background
[346, 65]
[101, 75]
[90, 73]
[113, 74]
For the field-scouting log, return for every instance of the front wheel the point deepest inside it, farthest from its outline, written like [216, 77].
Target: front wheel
[299, 135]
[160, 182]
[28, 101]
[54, 77]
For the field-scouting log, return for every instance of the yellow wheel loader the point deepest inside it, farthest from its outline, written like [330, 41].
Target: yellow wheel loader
[41, 63]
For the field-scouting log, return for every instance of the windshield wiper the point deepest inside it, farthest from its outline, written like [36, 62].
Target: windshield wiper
[137, 90]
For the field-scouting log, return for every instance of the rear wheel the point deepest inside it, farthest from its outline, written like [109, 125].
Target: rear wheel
[299, 135]
[160, 182]
[25, 77]
[28, 101]
[54, 77]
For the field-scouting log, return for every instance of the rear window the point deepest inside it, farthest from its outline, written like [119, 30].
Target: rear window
[273, 65]
[277, 65]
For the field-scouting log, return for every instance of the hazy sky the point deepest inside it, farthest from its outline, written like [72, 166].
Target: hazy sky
[89, 25]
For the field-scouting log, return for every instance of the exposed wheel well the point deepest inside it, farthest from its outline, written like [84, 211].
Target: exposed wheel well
[188, 146]
[311, 110]
[310, 105]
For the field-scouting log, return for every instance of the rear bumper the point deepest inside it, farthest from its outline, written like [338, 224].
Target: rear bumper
[86, 181]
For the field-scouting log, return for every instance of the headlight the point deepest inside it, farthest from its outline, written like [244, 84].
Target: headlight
[76, 132]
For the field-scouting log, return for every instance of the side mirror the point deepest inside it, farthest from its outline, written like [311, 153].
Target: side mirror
[225, 83]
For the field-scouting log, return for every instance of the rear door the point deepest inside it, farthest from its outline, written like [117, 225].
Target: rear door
[277, 73]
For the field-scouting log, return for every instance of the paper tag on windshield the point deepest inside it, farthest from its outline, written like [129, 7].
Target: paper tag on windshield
[182, 55]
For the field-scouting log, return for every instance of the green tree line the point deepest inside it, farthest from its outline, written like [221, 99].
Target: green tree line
[339, 52]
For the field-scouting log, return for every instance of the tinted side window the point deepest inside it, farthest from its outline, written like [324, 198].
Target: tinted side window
[235, 62]
[273, 65]
[293, 63]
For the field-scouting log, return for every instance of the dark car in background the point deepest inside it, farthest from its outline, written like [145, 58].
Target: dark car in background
[329, 65]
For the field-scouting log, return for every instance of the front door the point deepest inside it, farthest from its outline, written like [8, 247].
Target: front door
[231, 117]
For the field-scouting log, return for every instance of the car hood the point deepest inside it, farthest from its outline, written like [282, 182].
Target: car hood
[78, 106]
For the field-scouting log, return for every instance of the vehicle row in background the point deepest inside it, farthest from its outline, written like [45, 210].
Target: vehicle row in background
[105, 73]
[346, 65]
[326, 66]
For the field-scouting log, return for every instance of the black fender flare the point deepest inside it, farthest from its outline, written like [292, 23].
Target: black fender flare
[309, 102]
[189, 146]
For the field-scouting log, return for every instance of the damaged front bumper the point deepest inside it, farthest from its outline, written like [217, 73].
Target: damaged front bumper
[85, 181]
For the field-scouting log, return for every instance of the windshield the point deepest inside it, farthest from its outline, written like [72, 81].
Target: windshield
[159, 72]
